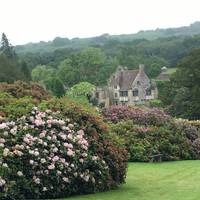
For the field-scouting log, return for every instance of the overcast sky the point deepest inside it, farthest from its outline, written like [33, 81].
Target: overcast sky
[26, 21]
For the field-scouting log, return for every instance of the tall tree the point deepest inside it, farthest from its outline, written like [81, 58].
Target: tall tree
[6, 48]
[68, 73]
[185, 85]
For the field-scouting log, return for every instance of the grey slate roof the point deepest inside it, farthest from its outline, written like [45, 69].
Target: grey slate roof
[163, 76]
[124, 79]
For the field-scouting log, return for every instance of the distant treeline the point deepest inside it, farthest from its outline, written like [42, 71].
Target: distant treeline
[165, 48]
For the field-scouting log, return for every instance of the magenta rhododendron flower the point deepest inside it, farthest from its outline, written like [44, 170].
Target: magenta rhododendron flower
[138, 115]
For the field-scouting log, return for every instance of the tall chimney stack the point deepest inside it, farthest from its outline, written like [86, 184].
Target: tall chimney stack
[141, 68]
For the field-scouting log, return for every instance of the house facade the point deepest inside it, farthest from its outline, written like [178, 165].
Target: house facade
[127, 87]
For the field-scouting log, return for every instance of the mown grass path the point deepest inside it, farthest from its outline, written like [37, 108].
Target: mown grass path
[163, 181]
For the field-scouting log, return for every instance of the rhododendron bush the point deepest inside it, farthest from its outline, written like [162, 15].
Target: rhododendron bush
[152, 135]
[47, 155]
[139, 116]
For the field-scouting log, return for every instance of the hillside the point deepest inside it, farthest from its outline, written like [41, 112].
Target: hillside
[99, 41]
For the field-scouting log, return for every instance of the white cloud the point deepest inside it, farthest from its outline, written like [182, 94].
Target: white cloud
[34, 20]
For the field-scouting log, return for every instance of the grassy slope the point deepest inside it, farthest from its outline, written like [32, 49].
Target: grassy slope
[171, 70]
[164, 181]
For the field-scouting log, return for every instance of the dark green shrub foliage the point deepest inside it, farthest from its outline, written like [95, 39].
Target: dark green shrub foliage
[21, 89]
[158, 143]
[196, 146]
[11, 107]
[190, 132]
[155, 103]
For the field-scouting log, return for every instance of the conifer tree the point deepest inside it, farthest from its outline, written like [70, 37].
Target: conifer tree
[6, 48]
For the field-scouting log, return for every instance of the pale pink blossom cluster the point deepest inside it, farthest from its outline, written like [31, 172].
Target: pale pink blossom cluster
[2, 182]
[53, 146]
[3, 126]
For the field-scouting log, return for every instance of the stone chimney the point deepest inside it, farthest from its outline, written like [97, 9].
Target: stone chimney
[120, 68]
[141, 68]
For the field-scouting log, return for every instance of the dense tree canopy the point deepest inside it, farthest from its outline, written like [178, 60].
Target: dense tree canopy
[9, 70]
[184, 87]
[42, 72]
[90, 64]
[47, 76]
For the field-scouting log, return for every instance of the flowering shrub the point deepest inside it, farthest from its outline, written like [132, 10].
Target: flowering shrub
[47, 155]
[97, 131]
[138, 115]
[154, 143]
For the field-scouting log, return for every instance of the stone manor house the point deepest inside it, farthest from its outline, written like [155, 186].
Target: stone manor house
[127, 87]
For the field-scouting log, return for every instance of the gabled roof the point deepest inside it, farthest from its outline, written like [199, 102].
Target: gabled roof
[124, 79]
[163, 76]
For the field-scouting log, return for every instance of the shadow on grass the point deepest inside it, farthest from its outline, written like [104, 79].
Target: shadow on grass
[124, 192]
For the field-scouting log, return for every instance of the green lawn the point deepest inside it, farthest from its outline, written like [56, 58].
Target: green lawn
[171, 70]
[163, 181]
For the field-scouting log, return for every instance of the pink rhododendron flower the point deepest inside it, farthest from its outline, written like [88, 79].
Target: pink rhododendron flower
[37, 180]
[56, 158]
[65, 179]
[59, 172]
[36, 153]
[55, 149]
[2, 140]
[70, 136]
[62, 160]
[84, 154]
[44, 189]
[80, 132]
[43, 160]
[70, 152]
[94, 158]
[39, 122]
[5, 165]
[31, 162]
[42, 134]
[6, 151]
[3, 125]
[52, 166]
[2, 182]
[19, 173]
[2, 145]
[86, 178]
[70, 126]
